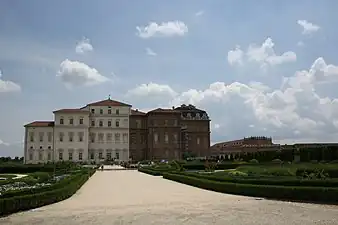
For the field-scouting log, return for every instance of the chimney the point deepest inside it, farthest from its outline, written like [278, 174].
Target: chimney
[136, 110]
[173, 107]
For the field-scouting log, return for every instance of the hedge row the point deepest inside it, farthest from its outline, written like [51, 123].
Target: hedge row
[151, 172]
[202, 166]
[31, 201]
[54, 186]
[332, 172]
[22, 168]
[311, 194]
[289, 181]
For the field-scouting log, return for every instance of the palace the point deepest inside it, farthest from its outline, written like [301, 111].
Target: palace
[112, 130]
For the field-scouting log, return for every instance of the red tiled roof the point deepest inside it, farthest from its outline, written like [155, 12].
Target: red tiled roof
[160, 110]
[71, 111]
[108, 102]
[137, 113]
[40, 124]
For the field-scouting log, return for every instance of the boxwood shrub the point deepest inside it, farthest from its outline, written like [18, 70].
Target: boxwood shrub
[151, 171]
[311, 194]
[331, 172]
[287, 181]
[37, 199]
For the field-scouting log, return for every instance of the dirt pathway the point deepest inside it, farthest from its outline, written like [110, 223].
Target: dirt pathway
[130, 197]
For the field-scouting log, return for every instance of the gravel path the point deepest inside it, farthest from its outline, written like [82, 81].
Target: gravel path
[130, 197]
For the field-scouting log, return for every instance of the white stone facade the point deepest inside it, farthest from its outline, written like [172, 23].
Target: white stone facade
[99, 131]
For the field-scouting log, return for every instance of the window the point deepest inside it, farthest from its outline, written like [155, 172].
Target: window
[71, 136]
[92, 137]
[70, 155]
[175, 138]
[109, 123]
[109, 137]
[93, 111]
[31, 136]
[117, 155]
[101, 111]
[61, 136]
[92, 155]
[80, 155]
[41, 136]
[61, 121]
[93, 123]
[50, 134]
[40, 147]
[109, 111]
[117, 137]
[101, 137]
[133, 139]
[71, 121]
[138, 123]
[101, 123]
[100, 155]
[117, 123]
[81, 121]
[49, 148]
[155, 137]
[81, 134]
[198, 140]
[117, 111]
[60, 155]
[166, 138]
[30, 156]
[49, 156]
[125, 138]
[108, 155]
[143, 138]
[175, 122]
[40, 156]
[165, 122]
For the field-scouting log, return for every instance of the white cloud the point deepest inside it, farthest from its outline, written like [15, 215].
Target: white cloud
[295, 112]
[308, 28]
[8, 86]
[74, 73]
[235, 56]
[83, 46]
[3, 143]
[150, 52]
[264, 55]
[165, 29]
[300, 43]
[199, 13]
[152, 90]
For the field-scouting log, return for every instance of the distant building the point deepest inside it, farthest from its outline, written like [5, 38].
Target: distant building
[248, 144]
[111, 130]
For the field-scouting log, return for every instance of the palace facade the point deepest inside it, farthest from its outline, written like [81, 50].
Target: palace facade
[112, 130]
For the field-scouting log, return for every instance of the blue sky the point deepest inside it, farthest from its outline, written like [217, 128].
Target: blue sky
[185, 56]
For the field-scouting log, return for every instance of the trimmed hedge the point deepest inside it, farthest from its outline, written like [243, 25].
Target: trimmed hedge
[220, 166]
[151, 172]
[54, 186]
[38, 199]
[332, 172]
[311, 194]
[288, 181]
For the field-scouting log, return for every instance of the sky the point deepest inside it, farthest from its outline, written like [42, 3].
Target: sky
[267, 68]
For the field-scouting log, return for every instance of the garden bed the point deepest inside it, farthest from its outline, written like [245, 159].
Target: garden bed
[58, 189]
[296, 193]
